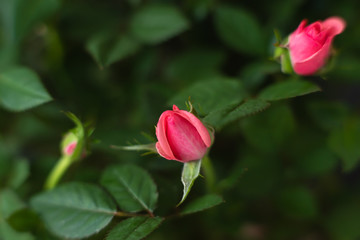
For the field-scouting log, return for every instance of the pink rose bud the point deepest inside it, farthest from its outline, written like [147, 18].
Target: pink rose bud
[181, 136]
[310, 46]
[69, 149]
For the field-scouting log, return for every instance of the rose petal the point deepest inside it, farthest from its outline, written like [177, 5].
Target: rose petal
[184, 139]
[336, 25]
[162, 143]
[201, 129]
[313, 63]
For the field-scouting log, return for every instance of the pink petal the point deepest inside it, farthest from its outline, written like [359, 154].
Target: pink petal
[162, 145]
[301, 26]
[163, 153]
[313, 63]
[297, 50]
[184, 139]
[336, 25]
[201, 129]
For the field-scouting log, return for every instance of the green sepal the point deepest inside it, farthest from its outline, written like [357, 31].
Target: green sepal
[189, 174]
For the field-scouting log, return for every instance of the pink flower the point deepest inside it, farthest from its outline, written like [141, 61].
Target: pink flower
[181, 136]
[69, 149]
[310, 45]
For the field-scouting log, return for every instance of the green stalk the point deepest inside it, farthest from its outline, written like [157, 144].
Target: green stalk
[209, 173]
[62, 165]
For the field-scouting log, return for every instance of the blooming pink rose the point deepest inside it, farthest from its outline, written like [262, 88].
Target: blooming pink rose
[310, 46]
[181, 136]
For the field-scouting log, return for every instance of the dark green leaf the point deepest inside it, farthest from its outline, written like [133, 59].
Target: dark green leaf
[107, 49]
[220, 118]
[342, 223]
[21, 89]
[19, 173]
[203, 203]
[195, 64]
[211, 95]
[135, 228]
[23, 220]
[75, 210]
[240, 30]
[345, 142]
[132, 187]
[254, 74]
[157, 23]
[288, 89]
[298, 202]
[269, 130]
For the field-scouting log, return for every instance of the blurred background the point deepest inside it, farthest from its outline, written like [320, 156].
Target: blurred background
[288, 172]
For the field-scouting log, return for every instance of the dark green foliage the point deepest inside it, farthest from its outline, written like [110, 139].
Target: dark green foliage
[284, 163]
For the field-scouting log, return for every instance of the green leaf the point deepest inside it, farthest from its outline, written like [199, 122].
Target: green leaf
[342, 222]
[195, 64]
[240, 30]
[269, 130]
[107, 49]
[211, 95]
[9, 203]
[189, 174]
[132, 188]
[298, 203]
[75, 210]
[345, 142]
[288, 89]
[254, 74]
[156, 23]
[203, 203]
[23, 220]
[220, 118]
[7, 233]
[21, 89]
[135, 228]
[19, 173]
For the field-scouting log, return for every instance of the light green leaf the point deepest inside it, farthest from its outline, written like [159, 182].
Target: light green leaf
[132, 188]
[240, 30]
[75, 210]
[19, 173]
[9, 203]
[107, 49]
[211, 95]
[288, 89]
[203, 203]
[156, 23]
[135, 228]
[220, 118]
[7, 233]
[189, 174]
[345, 141]
[21, 89]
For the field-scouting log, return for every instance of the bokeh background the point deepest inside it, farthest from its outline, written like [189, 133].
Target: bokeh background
[288, 172]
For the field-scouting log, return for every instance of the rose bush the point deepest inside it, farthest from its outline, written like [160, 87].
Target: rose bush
[181, 136]
[310, 46]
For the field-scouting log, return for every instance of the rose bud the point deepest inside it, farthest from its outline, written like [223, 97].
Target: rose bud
[181, 136]
[69, 149]
[310, 46]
